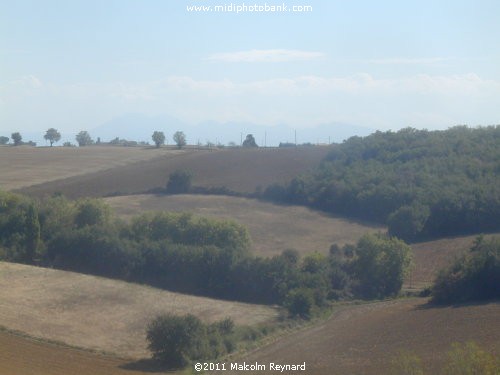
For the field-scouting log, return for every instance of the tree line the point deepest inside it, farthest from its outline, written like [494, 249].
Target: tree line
[192, 254]
[422, 184]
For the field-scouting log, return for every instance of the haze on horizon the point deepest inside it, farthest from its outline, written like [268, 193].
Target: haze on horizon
[76, 65]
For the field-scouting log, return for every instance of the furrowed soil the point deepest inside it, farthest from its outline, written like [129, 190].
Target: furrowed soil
[273, 228]
[101, 314]
[364, 339]
[239, 170]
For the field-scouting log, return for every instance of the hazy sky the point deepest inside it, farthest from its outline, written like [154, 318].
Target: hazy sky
[381, 64]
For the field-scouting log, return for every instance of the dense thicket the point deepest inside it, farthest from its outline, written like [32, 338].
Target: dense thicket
[421, 183]
[192, 254]
[473, 277]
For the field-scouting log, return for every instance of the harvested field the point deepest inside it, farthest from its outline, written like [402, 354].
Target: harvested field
[363, 339]
[273, 228]
[24, 356]
[241, 170]
[100, 314]
[24, 166]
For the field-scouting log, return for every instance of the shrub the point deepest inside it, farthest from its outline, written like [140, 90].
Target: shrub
[177, 340]
[300, 302]
[179, 182]
[470, 359]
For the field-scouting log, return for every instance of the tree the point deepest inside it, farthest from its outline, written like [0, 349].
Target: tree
[158, 138]
[180, 139]
[17, 138]
[249, 141]
[4, 140]
[380, 265]
[83, 139]
[179, 182]
[52, 135]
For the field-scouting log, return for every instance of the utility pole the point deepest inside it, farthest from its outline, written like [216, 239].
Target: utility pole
[295, 137]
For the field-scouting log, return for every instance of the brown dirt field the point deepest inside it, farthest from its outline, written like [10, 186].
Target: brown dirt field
[432, 256]
[24, 166]
[273, 228]
[101, 314]
[24, 356]
[241, 170]
[363, 339]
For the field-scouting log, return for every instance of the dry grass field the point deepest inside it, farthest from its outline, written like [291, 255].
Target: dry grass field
[101, 314]
[363, 339]
[241, 170]
[273, 228]
[25, 166]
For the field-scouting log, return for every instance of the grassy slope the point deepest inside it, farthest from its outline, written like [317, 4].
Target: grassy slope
[363, 339]
[272, 228]
[100, 314]
[24, 166]
[240, 170]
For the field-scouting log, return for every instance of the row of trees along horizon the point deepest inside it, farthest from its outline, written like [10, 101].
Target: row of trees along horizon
[83, 138]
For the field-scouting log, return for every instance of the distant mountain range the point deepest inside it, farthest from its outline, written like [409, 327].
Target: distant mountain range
[140, 127]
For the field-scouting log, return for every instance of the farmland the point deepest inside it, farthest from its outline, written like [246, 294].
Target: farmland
[101, 314]
[25, 166]
[238, 170]
[363, 339]
[110, 316]
[273, 228]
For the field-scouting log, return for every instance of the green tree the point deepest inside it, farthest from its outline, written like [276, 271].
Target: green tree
[380, 265]
[179, 139]
[52, 135]
[249, 141]
[92, 212]
[17, 138]
[83, 138]
[300, 302]
[4, 140]
[179, 182]
[408, 222]
[175, 340]
[32, 233]
[158, 138]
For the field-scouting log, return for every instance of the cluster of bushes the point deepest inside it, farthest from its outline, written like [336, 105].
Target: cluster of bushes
[195, 255]
[178, 340]
[421, 183]
[473, 277]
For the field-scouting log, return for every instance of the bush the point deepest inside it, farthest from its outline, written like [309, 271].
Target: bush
[179, 182]
[470, 359]
[177, 340]
[300, 302]
[474, 276]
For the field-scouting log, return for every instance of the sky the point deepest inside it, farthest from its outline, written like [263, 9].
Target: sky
[385, 65]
